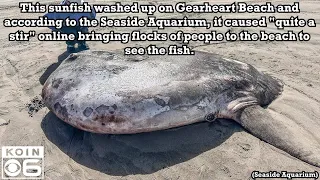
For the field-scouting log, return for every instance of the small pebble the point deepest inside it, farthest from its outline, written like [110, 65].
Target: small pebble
[3, 122]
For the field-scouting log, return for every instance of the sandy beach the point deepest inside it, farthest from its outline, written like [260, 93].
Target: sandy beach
[221, 150]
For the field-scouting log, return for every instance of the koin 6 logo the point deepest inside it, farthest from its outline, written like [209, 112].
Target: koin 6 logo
[22, 162]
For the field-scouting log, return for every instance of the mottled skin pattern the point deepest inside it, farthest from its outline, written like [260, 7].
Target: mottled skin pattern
[105, 92]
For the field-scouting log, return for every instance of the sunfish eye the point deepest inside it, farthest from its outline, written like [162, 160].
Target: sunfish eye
[210, 117]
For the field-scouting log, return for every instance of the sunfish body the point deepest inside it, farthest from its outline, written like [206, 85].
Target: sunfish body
[104, 92]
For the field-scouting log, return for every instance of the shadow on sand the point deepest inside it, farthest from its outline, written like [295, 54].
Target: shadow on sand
[53, 67]
[144, 153]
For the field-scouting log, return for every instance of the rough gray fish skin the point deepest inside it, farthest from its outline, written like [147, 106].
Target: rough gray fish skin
[106, 92]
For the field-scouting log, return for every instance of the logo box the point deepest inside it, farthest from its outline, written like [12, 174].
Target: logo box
[22, 162]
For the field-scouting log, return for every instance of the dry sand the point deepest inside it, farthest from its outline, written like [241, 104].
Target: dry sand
[222, 150]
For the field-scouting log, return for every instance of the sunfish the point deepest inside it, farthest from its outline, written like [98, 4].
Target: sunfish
[105, 92]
